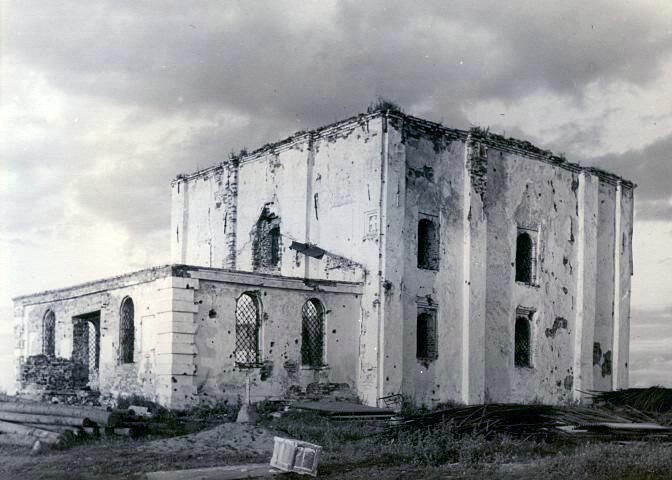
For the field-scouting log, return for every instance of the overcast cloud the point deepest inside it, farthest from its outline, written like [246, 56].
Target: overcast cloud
[103, 103]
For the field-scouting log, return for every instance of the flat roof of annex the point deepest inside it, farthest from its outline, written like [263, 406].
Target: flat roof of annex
[436, 130]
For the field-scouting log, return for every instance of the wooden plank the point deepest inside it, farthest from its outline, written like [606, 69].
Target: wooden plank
[229, 472]
[54, 428]
[51, 437]
[47, 419]
[649, 427]
[18, 439]
[341, 408]
[97, 415]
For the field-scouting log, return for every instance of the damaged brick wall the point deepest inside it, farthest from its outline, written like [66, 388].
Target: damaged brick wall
[267, 242]
[279, 365]
[44, 372]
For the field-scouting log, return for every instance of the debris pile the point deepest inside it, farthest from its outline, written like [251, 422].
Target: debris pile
[44, 377]
[339, 392]
[52, 373]
[41, 424]
[652, 399]
[541, 422]
[343, 410]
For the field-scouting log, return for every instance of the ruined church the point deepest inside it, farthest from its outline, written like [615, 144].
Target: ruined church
[383, 252]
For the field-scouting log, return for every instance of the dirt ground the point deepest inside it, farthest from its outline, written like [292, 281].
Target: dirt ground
[226, 444]
[231, 443]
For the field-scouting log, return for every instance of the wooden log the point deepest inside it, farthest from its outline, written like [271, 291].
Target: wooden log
[54, 428]
[47, 419]
[18, 439]
[50, 437]
[97, 415]
[131, 432]
[93, 432]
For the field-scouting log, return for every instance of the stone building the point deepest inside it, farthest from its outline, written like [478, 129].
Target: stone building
[385, 252]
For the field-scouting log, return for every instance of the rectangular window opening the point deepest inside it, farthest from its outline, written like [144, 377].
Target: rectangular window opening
[426, 335]
[526, 255]
[522, 356]
[429, 242]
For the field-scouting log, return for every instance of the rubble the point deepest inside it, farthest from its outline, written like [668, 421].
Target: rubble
[42, 372]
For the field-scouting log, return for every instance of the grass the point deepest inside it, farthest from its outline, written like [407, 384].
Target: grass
[354, 448]
[649, 460]
[314, 428]
[368, 449]
[382, 104]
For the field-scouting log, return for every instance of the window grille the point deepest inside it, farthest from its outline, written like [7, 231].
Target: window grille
[247, 330]
[522, 342]
[49, 334]
[86, 340]
[93, 344]
[127, 331]
[312, 333]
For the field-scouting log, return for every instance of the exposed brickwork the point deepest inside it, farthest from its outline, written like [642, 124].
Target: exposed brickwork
[51, 373]
[477, 164]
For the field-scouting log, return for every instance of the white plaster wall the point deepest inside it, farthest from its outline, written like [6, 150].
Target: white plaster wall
[430, 180]
[218, 376]
[281, 179]
[524, 191]
[626, 271]
[604, 294]
[115, 379]
[202, 215]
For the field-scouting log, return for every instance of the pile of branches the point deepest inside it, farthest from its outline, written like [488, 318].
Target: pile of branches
[652, 399]
[524, 421]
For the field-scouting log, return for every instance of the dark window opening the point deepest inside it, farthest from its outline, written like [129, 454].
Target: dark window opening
[127, 331]
[274, 236]
[522, 342]
[525, 258]
[428, 245]
[49, 334]
[426, 348]
[312, 333]
[267, 242]
[86, 341]
[248, 327]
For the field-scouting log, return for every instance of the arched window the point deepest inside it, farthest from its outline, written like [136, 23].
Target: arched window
[525, 258]
[523, 343]
[248, 327]
[312, 333]
[49, 333]
[127, 331]
[428, 244]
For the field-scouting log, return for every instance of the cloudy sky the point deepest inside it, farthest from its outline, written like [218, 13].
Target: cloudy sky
[103, 103]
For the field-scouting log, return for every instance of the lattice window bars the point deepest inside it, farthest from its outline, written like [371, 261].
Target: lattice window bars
[312, 333]
[522, 342]
[126, 331]
[248, 325]
[49, 333]
[94, 345]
